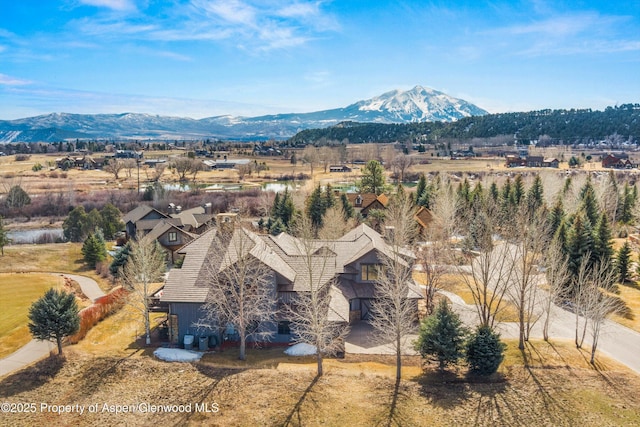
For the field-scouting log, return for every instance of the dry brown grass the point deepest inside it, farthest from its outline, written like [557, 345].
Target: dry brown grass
[53, 257]
[545, 385]
[629, 316]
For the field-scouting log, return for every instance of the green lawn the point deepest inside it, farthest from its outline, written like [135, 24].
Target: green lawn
[17, 293]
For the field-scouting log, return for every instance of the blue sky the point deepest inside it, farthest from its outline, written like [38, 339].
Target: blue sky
[201, 58]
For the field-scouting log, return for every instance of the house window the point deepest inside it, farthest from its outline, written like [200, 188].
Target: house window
[173, 236]
[369, 272]
[284, 327]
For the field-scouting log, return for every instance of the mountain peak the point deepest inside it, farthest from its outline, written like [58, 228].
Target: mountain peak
[416, 105]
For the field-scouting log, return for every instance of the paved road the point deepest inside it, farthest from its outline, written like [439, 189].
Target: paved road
[36, 349]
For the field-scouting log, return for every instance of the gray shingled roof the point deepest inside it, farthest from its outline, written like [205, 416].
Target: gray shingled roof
[182, 283]
[287, 256]
[140, 212]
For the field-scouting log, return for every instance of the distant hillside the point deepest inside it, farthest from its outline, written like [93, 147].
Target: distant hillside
[416, 105]
[566, 126]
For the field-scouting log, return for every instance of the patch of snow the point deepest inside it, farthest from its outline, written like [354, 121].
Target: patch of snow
[301, 349]
[177, 355]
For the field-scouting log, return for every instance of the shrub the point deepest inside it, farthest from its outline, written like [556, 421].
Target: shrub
[485, 351]
[99, 310]
[22, 157]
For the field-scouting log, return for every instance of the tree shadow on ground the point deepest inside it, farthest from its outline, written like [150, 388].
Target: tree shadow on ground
[553, 409]
[395, 415]
[444, 389]
[295, 417]
[32, 377]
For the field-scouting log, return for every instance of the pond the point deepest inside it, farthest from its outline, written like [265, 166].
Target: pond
[36, 235]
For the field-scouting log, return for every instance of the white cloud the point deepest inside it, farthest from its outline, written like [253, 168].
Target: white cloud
[12, 81]
[120, 5]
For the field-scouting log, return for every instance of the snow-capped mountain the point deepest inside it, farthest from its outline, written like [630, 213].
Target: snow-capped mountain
[415, 105]
[419, 104]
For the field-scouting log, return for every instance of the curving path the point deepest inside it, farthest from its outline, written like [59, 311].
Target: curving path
[35, 350]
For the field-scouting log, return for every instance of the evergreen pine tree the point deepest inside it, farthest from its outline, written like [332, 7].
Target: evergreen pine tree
[54, 316]
[94, 249]
[535, 197]
[589, 202]
[517, 190]
[556, 216]
[119, 260]
[603, 250]
[316, 208]
[4, 236]
[484, 351]
[494, 192]
[277, 227]
[111, 222]
[75, 225]
[622, 262]
[347, 207]
[421, 187]
[442, 336]
[579, 242]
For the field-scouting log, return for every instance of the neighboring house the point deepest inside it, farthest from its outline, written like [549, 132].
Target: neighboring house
[512, 161]
[128, 154]
[230, 163]
[348, 267]
[339, 168]
[83, 162]
[142, 220]
[363, 203]
[618, 161]
[549, 162]
[423, 217]
[170, 237]
[535, 161]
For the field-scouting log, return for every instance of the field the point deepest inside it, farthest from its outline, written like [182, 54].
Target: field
[546, 385]
[17, 293]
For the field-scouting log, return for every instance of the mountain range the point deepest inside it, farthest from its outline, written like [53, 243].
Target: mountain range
[419, 104]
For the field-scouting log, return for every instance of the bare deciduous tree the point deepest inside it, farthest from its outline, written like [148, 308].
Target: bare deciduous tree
[114, 167]
[487, 277]
[241, 287]
[310, 314]
[557, 275]
[129, 165]
[401, 163]
[595, 303]
[432, 259]
[145, 266]
[526, 251]
[394, 309]
[310, 155]
[185, 166]
[334, 224]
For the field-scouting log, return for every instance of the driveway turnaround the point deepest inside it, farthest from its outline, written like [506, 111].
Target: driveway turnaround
[35, 350]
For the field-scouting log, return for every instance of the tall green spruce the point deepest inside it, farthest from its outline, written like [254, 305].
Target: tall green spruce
[484, 351]
[54, 316]
[282, 213]
[442, 336]
[94, 249]
[623, 260]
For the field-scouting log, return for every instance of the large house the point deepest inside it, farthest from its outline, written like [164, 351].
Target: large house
[346, 268]
[618, 161]
[172, 230]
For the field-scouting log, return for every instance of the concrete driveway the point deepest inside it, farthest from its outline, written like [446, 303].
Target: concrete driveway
[361, 340]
